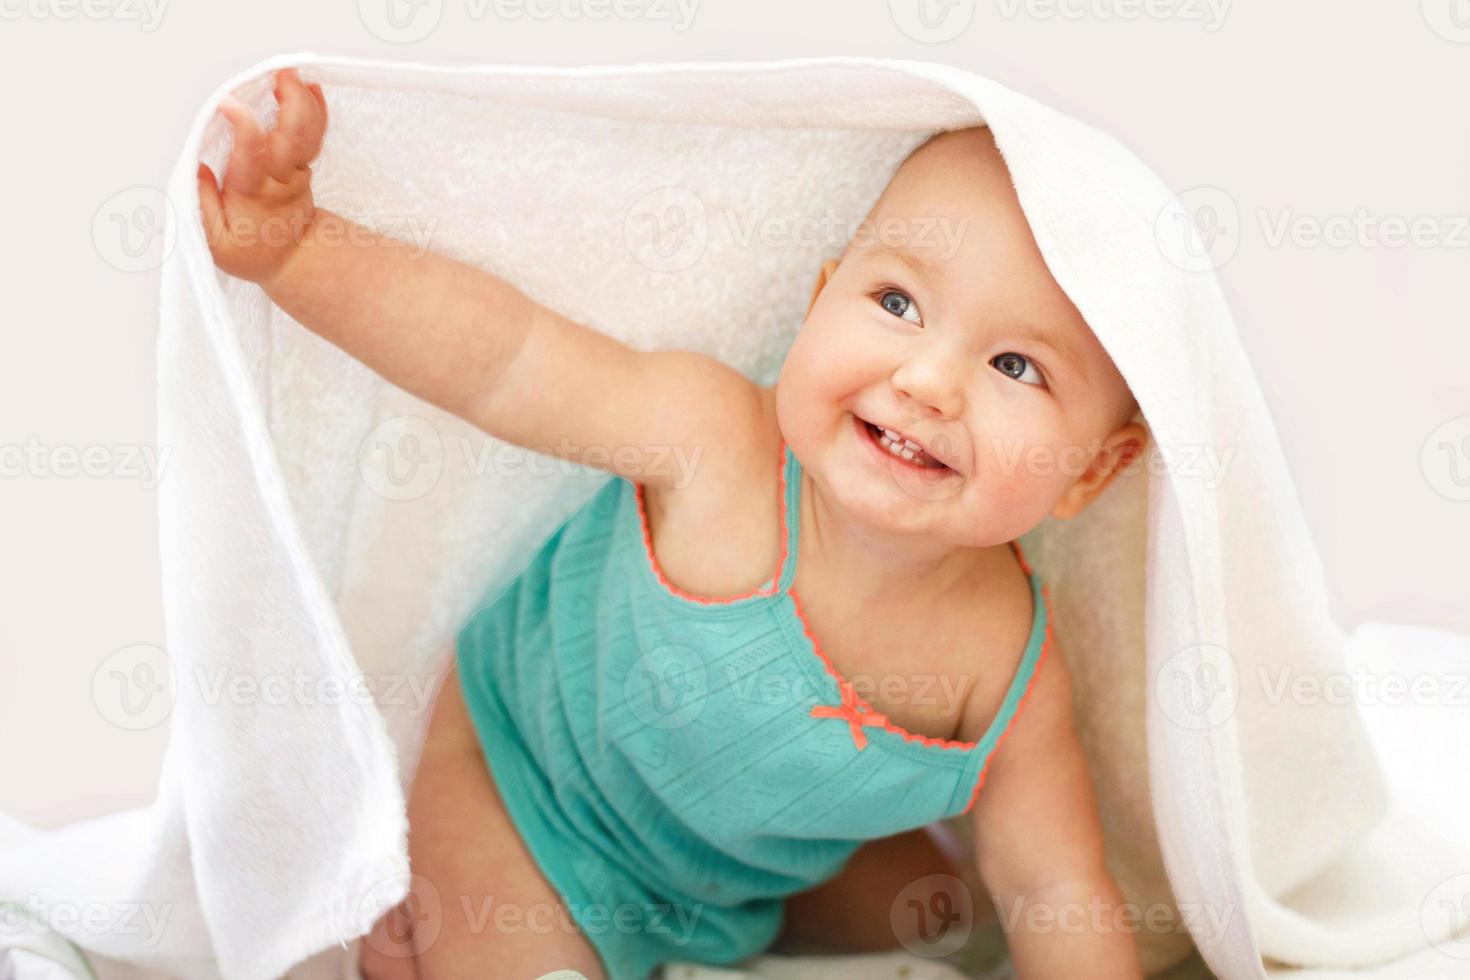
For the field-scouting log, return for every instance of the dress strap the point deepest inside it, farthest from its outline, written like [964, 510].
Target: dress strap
[1036, 650]
[790, 513]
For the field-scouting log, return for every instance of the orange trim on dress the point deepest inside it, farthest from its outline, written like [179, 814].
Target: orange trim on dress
[853, 707]
[717, 600]
[870, 715]
[858, 711]
[1030, 681]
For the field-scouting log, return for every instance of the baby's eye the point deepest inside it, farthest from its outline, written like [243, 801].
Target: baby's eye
[1011, 361]
[899, 305]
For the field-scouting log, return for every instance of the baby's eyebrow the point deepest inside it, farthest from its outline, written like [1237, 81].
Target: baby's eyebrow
[915, 263]
[1060, 343]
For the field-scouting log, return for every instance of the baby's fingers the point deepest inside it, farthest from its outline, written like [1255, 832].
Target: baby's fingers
[297, 138]
[246, 169]
[210, 209]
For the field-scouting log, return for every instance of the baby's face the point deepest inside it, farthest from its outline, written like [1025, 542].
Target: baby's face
[943, 322]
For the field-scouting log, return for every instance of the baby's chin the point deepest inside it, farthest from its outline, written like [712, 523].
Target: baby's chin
[894, 499]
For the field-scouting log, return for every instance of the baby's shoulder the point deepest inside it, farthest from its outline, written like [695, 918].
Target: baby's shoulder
[728, 498]
[997, 612]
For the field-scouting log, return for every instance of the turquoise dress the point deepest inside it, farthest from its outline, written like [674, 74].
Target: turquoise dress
[679, 765]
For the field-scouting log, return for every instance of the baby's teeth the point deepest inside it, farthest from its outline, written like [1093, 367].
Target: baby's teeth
[897, 450]
[902, 441]
[909, 444]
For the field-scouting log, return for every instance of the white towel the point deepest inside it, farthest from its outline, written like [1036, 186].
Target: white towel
[317, 522]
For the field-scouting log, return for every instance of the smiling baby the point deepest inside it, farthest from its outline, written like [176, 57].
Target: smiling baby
[722, 706]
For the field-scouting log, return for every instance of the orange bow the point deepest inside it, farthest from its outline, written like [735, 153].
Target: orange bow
[857, 715]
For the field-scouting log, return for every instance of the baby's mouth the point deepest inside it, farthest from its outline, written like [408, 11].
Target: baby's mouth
[901, 449]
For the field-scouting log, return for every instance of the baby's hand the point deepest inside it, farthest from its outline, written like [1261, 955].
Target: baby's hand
[256, 221]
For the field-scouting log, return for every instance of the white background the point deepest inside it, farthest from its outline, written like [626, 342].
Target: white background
[1313, 113]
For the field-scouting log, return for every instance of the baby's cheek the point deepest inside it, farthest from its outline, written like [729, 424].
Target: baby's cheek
[1019, 481]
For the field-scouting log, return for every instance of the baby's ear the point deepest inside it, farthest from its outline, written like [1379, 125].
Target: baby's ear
[1117, 451]
[823, 274]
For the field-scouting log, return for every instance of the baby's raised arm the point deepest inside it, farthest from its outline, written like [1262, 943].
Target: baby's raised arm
[452, 334]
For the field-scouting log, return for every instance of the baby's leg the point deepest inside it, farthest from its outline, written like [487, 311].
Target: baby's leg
[870, 905]
[471, 871]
